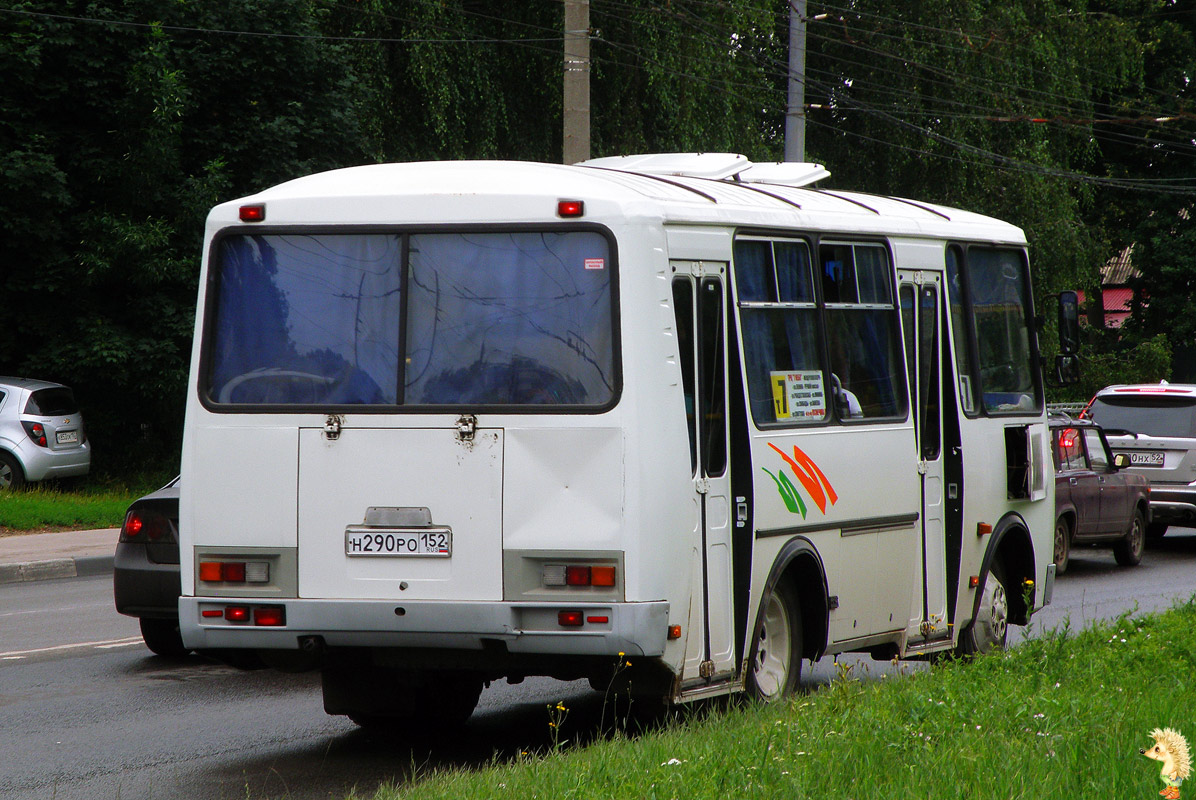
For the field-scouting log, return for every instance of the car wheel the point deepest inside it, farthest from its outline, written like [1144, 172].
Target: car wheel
[163, 638]
[1062, 545]
[990, 629]
[1128, 551]
[11, 474]
[775, 663]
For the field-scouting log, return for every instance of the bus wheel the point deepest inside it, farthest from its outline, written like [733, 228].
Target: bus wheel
[1128, 551]
[990, 628]
[775, 664]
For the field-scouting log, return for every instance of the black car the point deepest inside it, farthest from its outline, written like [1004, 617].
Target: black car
[1096, 500]
[145, 579]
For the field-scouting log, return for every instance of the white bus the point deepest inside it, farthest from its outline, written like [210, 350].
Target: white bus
[454, 422]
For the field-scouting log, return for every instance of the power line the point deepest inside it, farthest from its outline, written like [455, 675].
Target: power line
[273, 34]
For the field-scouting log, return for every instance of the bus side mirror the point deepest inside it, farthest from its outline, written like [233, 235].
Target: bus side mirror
[1069, 323]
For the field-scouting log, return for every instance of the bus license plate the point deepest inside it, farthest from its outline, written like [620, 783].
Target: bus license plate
[1153, 459]
[67, 437]
[430, 543]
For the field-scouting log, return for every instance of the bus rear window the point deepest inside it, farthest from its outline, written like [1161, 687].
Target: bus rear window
[422, 319]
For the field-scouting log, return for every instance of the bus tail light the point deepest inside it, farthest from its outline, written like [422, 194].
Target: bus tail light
[577, 575]
[570, 619]
[600, 575]
[234, 571]
[239, 614]
[271, 616]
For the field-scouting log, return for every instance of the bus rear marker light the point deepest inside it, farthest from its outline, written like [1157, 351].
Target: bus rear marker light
[570, 208]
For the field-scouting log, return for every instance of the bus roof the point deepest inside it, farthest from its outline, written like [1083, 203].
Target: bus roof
[516, 191]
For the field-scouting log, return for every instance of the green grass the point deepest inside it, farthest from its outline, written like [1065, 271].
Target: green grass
[1060, 716]
[85, 505]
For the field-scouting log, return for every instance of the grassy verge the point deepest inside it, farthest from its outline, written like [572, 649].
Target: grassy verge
[95, 504]
[1062, 715]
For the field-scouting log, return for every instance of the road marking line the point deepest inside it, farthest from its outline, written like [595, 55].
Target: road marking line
[129, 643]
[53, 610]
[12, 654]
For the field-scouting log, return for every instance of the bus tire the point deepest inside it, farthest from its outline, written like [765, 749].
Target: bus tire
[990, 629]
[774, 667]
[1128, 550]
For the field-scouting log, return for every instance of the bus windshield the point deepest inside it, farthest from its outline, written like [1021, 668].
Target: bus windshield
[420, 319]
[998, 288]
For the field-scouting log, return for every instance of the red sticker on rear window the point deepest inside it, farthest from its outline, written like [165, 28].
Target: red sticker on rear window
[595, 263]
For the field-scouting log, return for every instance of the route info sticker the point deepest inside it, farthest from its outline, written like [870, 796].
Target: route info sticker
[798, 395]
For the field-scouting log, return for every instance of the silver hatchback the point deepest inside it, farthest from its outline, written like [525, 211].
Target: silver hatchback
[41, 433]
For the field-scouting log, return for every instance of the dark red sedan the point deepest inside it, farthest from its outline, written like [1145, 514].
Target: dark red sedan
[1096, 501]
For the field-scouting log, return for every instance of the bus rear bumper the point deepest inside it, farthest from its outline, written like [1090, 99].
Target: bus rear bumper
[606, 629]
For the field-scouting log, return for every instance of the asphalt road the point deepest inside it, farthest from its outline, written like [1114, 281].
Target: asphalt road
[86, 712]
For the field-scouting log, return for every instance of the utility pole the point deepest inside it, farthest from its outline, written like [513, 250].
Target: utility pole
[577, 81]
[795, 111]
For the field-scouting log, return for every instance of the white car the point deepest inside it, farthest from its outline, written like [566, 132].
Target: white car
[41, 433]
[1154, 425]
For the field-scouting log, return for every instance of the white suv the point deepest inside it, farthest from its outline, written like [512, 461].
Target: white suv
[41, 433]
[1155, 425]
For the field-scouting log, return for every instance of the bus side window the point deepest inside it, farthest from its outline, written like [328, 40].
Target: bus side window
[683, 310]
[862, 330]
[774, 286]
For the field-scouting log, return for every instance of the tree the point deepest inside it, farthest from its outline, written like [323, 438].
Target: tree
[1155, 148]
[121, 123]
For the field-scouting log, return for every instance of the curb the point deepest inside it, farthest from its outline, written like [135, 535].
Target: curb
[79, 567]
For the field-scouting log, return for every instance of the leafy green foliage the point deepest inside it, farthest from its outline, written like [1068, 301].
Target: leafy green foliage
[1121, 361]
[123, 121]
[120, 125]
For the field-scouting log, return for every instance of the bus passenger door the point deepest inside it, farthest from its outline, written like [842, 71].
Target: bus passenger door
[921, 319]
[699, 301]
